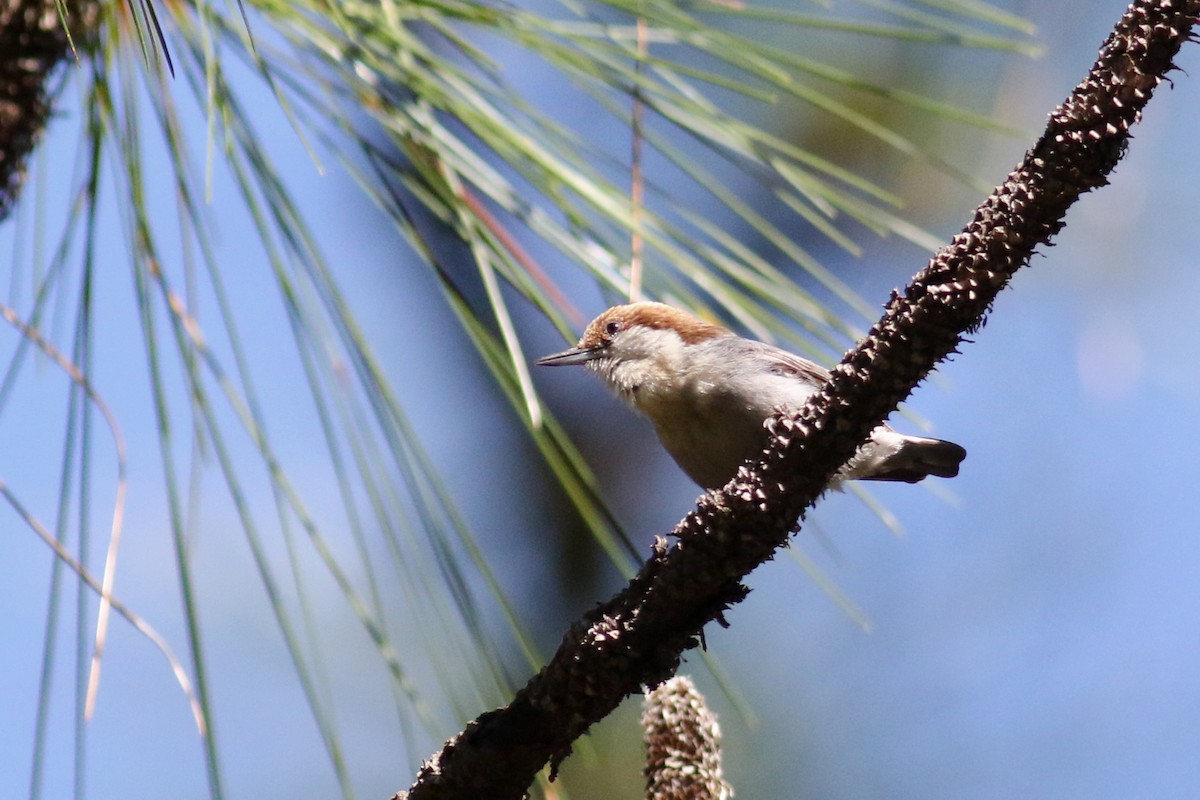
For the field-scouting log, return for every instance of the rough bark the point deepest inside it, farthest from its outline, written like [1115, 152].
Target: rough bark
[636, 638]
[32, 43]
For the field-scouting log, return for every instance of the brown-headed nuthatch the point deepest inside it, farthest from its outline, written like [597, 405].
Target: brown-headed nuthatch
[708, 393]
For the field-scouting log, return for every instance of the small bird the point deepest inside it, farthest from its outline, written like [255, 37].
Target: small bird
[708, 392]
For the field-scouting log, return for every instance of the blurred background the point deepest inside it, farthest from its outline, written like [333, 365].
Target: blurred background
[1027, 629]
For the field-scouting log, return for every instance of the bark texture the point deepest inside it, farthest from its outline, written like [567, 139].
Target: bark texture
[636, 638]
[32, 43]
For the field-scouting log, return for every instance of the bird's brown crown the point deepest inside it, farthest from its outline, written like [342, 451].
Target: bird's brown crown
[658, 316]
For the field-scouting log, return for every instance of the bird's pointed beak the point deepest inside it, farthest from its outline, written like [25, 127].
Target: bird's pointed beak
[576, 355]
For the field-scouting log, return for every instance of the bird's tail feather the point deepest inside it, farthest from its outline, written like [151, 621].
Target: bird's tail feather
[917, 458]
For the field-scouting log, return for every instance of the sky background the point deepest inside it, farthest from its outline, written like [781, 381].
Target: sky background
[1032, 633]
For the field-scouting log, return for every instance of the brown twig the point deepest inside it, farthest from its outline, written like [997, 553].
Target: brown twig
[521, 255]
[637, 181]
[33, 42]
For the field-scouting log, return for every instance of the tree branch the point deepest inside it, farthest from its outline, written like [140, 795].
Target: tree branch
[636, 638]
[32, 43]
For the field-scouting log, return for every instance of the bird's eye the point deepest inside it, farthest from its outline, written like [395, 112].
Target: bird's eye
[612, 327]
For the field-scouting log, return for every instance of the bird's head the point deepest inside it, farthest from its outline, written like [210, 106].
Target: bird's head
[638, 344]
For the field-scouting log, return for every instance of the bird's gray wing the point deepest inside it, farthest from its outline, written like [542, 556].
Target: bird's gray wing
[781, 362]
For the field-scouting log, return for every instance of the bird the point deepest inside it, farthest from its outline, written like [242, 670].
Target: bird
[708, 393]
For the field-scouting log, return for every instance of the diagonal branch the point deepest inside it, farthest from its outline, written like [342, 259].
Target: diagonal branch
[636, 638]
